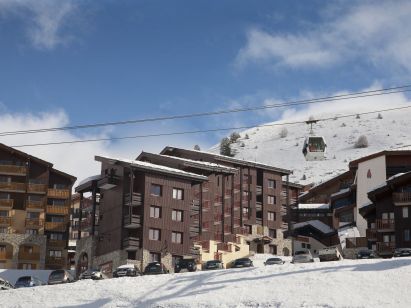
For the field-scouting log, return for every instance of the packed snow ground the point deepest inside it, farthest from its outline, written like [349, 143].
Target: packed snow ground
[266, 146]
[347, 283]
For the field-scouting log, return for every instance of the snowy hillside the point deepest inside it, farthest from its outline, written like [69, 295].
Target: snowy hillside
[347, 283]
[265, 144]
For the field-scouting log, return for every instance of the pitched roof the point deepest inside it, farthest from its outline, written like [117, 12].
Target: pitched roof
[390, 152]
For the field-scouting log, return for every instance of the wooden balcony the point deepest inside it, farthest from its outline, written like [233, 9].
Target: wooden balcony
[224, 246]
[132, 221]
[57, 210]
[58, 193]
[194, 230]
[34, 223]
[37, 188]
[134, 199]
[56, 226]
[385, 224]
[131, 243]
[12, 186]
[6, 204]
[356, 242]
[56, 261]
[259, 190]
[13, 170]
[35, 205]
[57, 243]
[6, 221]
[401, 198]
[27, 256]
[385, 247]
[371, 234]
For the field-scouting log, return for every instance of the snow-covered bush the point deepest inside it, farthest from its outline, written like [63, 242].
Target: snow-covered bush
[362, 142]
[246, 136]
[197, 147]
[343, 125]
[242, 144]
[234, 137]
[225, 148]
[357, 116]
[379, 116]
[283, 132]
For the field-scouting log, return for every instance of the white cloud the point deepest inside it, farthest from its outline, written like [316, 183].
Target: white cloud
[78, 158]
[377, 33]
[46, 21]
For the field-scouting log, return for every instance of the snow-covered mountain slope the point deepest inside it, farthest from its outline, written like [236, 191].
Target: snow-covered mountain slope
[265, 144]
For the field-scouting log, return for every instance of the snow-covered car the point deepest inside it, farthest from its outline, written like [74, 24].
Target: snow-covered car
[402, 252]
[94, 274]
[155, 268]
[28, 282]
[329, 254]
[213, 265]
[366, 254]
[5, 285]
[242, 262]
[127, 270]
[60, 276]
[274, 261]
[188, 264]
[302, 256]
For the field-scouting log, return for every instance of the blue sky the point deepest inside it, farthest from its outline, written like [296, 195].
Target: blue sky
[87, 61]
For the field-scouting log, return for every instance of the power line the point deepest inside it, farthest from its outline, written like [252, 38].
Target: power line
[204, 131]
[385, 91]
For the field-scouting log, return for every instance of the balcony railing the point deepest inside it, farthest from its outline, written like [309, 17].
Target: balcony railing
[56, 261]
[385, 224]
[34, 223]
[29, 256]
[259, 190]
[224, 246]
[57, 243]
[37, 188]
[12, 186]
[134, 199]
[371, 234]
[35, 205]
[5, 221]
[58, 193]
[402, 198]
[385, 247]
[57, 209]
[132, 221]
[131, 243]
[6, 203]
[13, 170]
[56, 226]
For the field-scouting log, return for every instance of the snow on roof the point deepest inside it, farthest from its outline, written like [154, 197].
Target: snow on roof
[90, 178]
[347, 232]
[203, 163]
[319, 225]
[395, 176]
[341, 192]
[366, 204]
[313, 206]
[154, 167]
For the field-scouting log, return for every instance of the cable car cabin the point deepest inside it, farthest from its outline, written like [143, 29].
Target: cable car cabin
[314, 148]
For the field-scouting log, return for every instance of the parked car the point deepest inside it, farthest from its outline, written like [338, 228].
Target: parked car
[126, 270]
[60, 276]
[329, 254]
[28, 282]
[273, 261]
[402, 252]
[5, 285]
[242, 262]
[188, 264]
[94, 274]
[302, 256]
[366, 254]
[155, 268]
[213, 265]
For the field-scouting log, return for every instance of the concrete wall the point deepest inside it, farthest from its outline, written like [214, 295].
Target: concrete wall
[376, 168]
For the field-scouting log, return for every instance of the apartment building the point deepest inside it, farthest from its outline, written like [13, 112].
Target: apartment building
[34, 212]
[157, 207]
[388, 215]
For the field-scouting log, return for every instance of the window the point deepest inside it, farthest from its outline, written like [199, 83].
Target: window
[177, 215]
[388, 238]
[245, 211]
[4, 230]
[60, 186]
[178, 194]
[175, 259]
[272, 184]
[28, 249]
[247, 179]
[407, 235]
[58, 202]
[272, 233]
[154, 234]
[55, 253]
[3, 248]
[308, 246]
[155, 257]
[4, 196]
[56, 236]
[249, 229]
[405, 212]
[271, 199]
[35, 198]
[388, 215]
[4, 213]
[27, 266]
[33, 215]
[271, 216]
[155, 212]
[156, 190]
[177, 237]
[32, 231]
[5, 179]
[273, 249]
[347, 216]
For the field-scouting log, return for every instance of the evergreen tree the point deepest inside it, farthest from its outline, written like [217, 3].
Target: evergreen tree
[225, 148]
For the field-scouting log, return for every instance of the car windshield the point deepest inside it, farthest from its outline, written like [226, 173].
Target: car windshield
[23, 280]
[300, 252]
[274, 259]
[57, 275]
